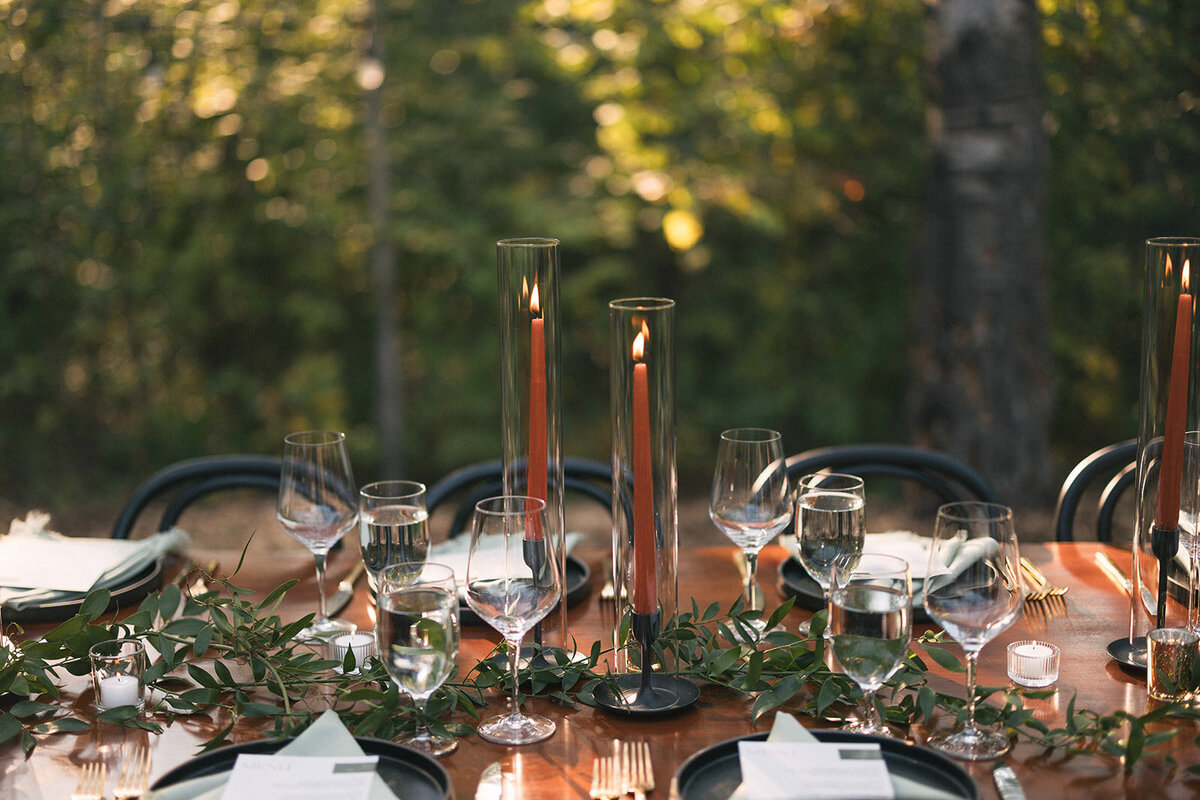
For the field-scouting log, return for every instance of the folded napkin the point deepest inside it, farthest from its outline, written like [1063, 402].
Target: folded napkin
[786, 729]
[325, 737]
[39, 566]
[959, 554]
[454, 552]
[910, 546]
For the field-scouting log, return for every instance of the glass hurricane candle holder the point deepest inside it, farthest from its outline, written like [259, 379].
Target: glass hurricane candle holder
[1166, 504]
[531, 389]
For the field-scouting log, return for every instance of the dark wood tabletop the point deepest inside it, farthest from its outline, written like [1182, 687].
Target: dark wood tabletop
[1096, 612]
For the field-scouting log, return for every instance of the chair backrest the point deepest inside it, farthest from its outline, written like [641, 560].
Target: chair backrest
[944, 476]
[1117, 465]
[470, 484]
[193, 479]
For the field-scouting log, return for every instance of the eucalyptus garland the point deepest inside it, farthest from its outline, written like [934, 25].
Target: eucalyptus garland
[219, 652]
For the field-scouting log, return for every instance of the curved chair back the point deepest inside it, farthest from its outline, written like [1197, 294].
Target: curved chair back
[1117, 465]
[947, 477]
[470, 484]
[193, 479]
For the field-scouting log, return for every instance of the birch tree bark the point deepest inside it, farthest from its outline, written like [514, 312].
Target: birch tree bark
[981, 374]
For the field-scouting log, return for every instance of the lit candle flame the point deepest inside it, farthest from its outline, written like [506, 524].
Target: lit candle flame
[639, 343]
[535, 306]
[1187, 265]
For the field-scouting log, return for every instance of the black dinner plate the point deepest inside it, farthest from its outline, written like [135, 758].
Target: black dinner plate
[795, 581]
[715, 772]
[578, 580]
[409, 774]
[134, 589]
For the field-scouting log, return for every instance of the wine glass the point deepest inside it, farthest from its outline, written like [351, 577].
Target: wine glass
[749, 500]
[418, 641]
[870, 623]
[973, 590]
[830, 525]
[393, 525]
[512, 584]
[316, 505]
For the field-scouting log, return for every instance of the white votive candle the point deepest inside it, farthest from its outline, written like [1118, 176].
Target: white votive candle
[360, 643]
[1033, 664]
[119, 690]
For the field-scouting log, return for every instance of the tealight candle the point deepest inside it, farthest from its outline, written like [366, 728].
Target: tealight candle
[1033, 664]
[360, 643]
[117, 673]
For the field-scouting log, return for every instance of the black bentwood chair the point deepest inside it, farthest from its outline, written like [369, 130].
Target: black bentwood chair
[188, 481]
[1115, 464]
[467, 486]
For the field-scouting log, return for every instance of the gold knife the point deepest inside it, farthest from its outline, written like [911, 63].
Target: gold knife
[1118, 576]
[345, 591]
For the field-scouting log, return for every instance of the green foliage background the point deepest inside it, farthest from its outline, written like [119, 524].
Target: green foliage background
[185, 234]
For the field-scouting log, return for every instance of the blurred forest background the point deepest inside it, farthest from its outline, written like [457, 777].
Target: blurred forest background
[186, 233]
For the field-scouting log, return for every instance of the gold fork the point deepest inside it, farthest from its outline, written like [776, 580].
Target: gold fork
[91, 782]
[637, 773]
[134, 779]
[1045, 587]
[604, 780]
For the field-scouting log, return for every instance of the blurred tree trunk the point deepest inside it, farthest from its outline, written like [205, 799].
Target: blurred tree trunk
[981, 381]
[389, 377]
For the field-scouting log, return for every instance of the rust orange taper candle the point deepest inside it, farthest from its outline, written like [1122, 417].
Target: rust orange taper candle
[1170, 473]
[645, 591]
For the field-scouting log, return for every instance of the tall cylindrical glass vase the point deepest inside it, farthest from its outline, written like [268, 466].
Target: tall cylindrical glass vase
[531, 389]
[1166, 503]
[645, 490]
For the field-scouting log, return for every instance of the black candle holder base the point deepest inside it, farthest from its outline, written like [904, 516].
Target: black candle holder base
[665, 694]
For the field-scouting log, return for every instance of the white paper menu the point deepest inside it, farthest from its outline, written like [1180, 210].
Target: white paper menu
[814, 771]
[276, 777]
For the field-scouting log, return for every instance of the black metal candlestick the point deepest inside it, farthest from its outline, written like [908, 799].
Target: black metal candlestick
[1164, 544]
[646, 692]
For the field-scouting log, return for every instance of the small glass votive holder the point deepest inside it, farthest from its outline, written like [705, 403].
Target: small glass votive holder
[119, 673]
[360, 642]
[1170, 658]
[1033, 664]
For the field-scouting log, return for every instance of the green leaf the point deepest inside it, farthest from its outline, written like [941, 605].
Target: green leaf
[10, 726]
[945, 659]
[95, 604]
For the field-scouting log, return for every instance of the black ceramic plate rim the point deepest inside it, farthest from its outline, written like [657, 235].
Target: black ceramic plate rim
[791, 572]
[961, 778]
[578, 572]
[221, 760]
[137, 587]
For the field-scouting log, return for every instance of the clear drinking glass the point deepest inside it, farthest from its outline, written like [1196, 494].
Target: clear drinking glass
[870, 623]
[749, 501]
[393, 527]
[830, 525]
[418, 642]
[973, 589]
[512, 583]
[317, 506]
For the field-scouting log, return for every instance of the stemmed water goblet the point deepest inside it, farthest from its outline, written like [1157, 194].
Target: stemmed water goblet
[830, 526]
[418, 641]
[316, 505]
[393, 527]
[512, 584]
[750, 501]
[973, 590]
[870, 624]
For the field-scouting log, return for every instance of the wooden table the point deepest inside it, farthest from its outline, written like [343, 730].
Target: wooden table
[1096, 613]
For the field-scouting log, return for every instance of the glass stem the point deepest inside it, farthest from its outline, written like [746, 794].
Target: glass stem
[420, 703]
[514, 657]
[751, 578]
[873, 719]
[320, 559]
[972, 655]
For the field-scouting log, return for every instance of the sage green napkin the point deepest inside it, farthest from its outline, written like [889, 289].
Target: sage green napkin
[785, 728]
[325, 737]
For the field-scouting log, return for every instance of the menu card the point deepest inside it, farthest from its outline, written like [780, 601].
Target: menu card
[827, 771]
[277, 777]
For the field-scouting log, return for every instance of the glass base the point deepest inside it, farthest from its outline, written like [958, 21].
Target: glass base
[323, 630]
[430, 745]
[516, 729]
[970, 743]
[868, 727]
